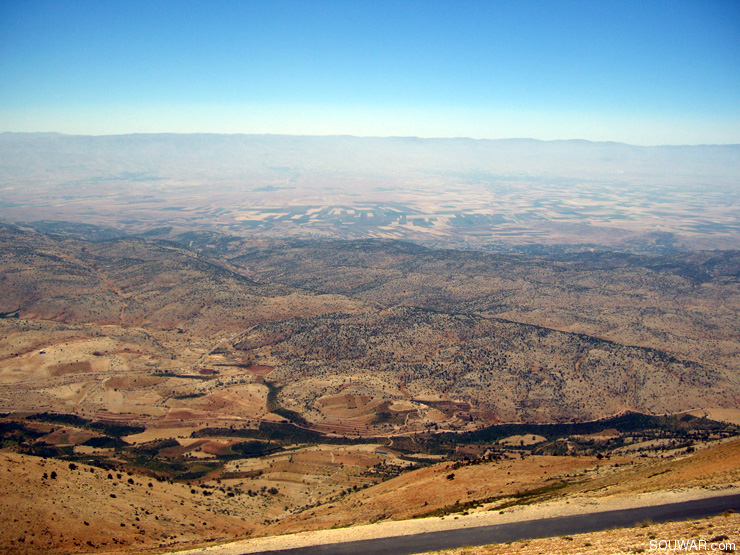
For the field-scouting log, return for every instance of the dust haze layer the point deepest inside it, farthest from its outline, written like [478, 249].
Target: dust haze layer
[463, 193]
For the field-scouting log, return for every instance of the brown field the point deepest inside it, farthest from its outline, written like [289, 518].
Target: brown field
[260, 370]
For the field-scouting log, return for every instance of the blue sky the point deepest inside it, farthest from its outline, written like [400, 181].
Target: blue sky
[637, 72]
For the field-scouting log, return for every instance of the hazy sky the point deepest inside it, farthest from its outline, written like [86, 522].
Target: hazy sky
[640, 72]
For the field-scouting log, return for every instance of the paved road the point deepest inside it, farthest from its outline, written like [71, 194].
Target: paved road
[576, 524]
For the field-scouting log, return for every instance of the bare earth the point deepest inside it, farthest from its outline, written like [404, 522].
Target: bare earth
[576, 506]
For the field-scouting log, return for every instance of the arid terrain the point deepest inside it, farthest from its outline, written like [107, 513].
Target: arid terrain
[215, 338]
[83, 508]
[360, 338]
[203, 388]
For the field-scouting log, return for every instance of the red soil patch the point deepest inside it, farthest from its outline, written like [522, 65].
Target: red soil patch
[357, 459]
[71, 368]
[260, 369]
[68, 436]
[184, 414]
[611, 432]
[216, 447]
[181, 449]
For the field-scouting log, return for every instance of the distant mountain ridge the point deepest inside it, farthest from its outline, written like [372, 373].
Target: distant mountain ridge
[363, 137]
[31, 154]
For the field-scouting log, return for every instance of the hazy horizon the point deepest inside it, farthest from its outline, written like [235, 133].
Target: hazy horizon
[451, 192]
[354, 136]
[644, 73]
